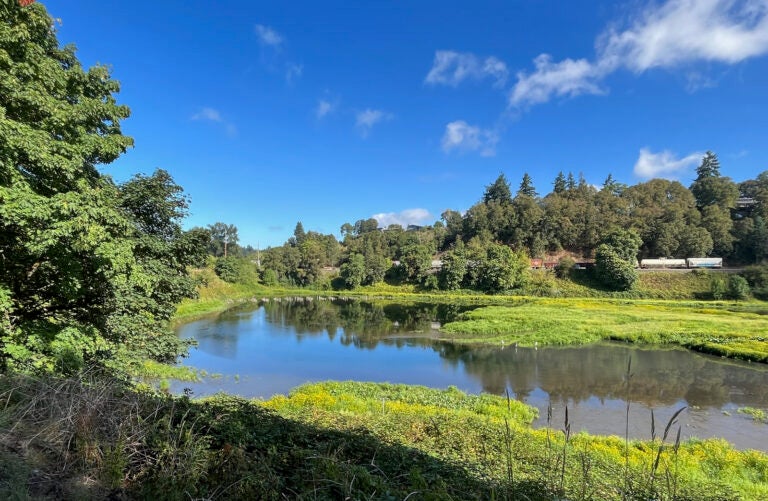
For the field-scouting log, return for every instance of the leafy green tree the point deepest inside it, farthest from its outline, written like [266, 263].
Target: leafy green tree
[228, 269]
[502, 269]
[363, 226]
[417, 261]
[626, 243]
[615, 259]
[738, 287]
[663, 213]
[376, 266]
[718, 287]
[612, 270]
[454, 269]
[88, 270]
[564, 267]
[222, 237]
[353, 271]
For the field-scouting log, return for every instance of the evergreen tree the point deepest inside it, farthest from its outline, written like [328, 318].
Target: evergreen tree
[709, 167]
[559, 184]
[498, 191]
[570, 184]
[526, 187]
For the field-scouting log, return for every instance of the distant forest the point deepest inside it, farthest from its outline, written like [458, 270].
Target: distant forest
[715, 216]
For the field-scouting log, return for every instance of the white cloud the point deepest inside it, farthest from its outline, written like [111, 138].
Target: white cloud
[293, 71]
[451, 68]
[268, 36]
[403, 218]
[213, 115]
[567, 78]
[674, 34]
[461, 136]
[663, 164]
[210, 114]
[324, 107]
[682, 31]
[366, 119]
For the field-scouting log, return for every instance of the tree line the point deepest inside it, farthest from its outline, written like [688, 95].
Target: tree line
[488, 247]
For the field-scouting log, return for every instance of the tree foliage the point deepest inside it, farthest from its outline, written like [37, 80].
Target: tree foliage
[88, 269]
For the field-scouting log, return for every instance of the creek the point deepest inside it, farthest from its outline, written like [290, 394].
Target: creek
[259, 350]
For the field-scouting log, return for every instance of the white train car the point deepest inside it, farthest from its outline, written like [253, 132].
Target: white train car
[705, 262]
[663, 263]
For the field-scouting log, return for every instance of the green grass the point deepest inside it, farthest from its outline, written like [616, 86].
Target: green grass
[758, 415]
[735, 331]
[93, 437]
[491, 442]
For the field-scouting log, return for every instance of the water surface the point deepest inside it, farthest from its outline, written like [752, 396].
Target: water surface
[262, 350]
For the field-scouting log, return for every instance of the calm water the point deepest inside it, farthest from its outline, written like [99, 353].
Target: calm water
[270, 348]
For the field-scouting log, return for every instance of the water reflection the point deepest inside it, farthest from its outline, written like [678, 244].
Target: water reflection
[659, 376]
[280, 344]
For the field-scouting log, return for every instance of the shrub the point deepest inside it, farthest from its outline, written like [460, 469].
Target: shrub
[756, 276]
[718, 287]
[564, 267]
[615, 272]
[228, 269]
[738, 288]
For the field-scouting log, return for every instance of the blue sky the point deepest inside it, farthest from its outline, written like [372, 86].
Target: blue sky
[269, 113]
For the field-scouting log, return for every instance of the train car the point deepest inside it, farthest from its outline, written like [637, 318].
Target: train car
[663, 263]
[537, 263]
[704, 262]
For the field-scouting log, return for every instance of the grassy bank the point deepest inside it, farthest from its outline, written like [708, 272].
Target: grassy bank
[91, 437]
[216, 295]
[726, 329]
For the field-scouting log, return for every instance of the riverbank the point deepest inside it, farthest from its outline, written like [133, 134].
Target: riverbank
[723, 328]
[216, 295]
[338, 441]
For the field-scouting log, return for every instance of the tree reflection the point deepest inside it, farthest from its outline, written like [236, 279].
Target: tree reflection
[659, 376]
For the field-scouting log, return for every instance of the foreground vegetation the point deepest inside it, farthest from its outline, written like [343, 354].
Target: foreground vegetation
[90, 436]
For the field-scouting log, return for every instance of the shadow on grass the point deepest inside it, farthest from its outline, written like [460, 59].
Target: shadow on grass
[94, 437]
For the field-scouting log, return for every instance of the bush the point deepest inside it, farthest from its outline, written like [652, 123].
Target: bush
[738, 288]
[269, 277]
[756, 276]
[718, 287]
[228, 269]
[564, 267]
[613, 271]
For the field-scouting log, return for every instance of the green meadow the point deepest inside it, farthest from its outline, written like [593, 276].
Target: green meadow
[720, 328]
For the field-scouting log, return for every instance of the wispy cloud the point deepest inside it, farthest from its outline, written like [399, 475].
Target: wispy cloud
[674, 34]
[268, 36]
[460, 136]
[366, 119]
[403, 218]
[213, 115]
[452, 68]
[293, 71]
[663, 164]
[209, 114]
[324, 107]
[566, 78]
